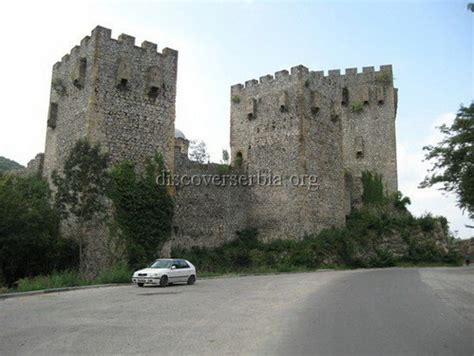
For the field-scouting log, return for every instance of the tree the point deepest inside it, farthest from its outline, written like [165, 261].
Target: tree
[453, 160]
[198, 152]
[143, 210]
[470, 6]
[225, 157]
[9, 165]
[29, 233]
[81, 188]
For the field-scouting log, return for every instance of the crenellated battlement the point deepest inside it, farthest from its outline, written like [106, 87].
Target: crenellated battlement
[300, 72]
[128, 42]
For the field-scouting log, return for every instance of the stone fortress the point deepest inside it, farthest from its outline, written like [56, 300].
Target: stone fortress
[301, 122]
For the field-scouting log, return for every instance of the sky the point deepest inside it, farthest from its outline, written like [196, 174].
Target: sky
[221, 43]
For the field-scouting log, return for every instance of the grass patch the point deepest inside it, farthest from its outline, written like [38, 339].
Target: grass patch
[235, 99]
[384, 78]
[118, 274]
[357, 107]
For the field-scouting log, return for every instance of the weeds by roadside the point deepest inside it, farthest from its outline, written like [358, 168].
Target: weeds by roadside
[118, 274]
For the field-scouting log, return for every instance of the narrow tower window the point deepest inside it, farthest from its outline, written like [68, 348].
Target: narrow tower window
[123, 74]
[380, 95]
[359, 147]
[283, 102]
[365, 95]
[251, 108]
[239, 159]
[53, 115]
[79, 74]
[345, 97]
[154, 82]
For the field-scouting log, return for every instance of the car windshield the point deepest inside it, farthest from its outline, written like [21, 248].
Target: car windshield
[161, 264]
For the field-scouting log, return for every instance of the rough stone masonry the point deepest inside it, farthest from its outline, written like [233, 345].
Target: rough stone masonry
[301, 122]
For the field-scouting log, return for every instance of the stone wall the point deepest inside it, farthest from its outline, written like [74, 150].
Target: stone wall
[207, 214]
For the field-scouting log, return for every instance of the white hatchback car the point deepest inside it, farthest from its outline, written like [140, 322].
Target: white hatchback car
[166, 271]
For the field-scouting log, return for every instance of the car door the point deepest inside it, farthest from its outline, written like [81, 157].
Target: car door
[174, 275]
[185, 271]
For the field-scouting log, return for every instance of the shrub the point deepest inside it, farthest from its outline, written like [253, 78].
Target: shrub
[357, 107]
[120, 273]
[235, 99]
[29, 231]
[143, 209]
[383, 78]
[373, 189]
[427, 222]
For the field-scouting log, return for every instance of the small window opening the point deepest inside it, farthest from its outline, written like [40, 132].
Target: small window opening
[153, 92]
[345, 97]
[123, 83]
[315, 110]
[238, 159]
[80, 74]
[53, 115]
[250, 116]
[359, 154]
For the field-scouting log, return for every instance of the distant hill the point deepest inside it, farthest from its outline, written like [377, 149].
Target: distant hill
[8, 165]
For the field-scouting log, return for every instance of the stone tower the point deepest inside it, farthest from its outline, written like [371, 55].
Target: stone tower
[305, 123]
[368, 106]
[286, 125]
[116, 94]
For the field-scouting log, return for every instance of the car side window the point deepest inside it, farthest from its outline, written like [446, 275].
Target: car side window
[183, 264]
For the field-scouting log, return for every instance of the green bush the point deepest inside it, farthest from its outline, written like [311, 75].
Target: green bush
[120, 273]
[427, 222]
[357, 107]
[143, 209]
[373, 189]
[29, 231]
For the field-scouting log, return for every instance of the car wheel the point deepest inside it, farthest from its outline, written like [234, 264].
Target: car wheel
[163, 281]
[140, 284]
[191, 279]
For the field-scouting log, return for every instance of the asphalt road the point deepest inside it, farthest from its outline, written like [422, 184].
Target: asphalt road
[362, 312]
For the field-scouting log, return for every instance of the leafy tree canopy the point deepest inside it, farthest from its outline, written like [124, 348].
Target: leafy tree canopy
[453, 160]
[82, 182]
[29, 238]
[198, 152]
